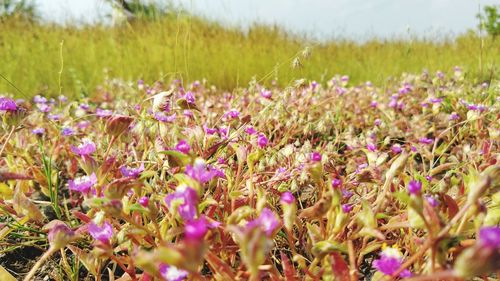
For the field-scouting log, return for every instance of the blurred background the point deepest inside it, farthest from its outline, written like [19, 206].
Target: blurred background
[46, 45]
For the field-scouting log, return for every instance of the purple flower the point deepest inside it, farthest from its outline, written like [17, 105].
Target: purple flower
[84, 106]
[202, 172]
[431, 200]
[38, 131]
[186, 200]
[347, 194]
[346, 208]
[172, 273]
[83, 184]
[196, 229]
[189, 96]
[436, 100]
[187, 113]
[377, 122]
[103, 112]
[83, 124]
[60, 235]
[101, 233]
[371, 147]
[287, 198]
[224, 131]
[266, 94]
[262, 140]
[316, 156]
[454, 116]
[250, 130]
[389, 262]
[144, 201]
[267, 221]
[67, 131]
[373, 104]
[39, 99]
[414, 187]
[132, 172]
[54, 117]
[62, 98]
[232, 114]
[209, 131]
[7, 104]
[162, 117]
[183, 146]
[425, 141]
[43, 107]
[336, 183]
[85, 148]
[489, 236]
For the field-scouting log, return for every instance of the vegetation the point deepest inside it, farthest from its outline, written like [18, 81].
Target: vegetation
[189, 48]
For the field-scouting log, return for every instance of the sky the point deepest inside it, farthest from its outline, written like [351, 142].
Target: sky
[320, 19]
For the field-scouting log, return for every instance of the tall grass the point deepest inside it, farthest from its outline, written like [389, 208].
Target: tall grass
[191, 48]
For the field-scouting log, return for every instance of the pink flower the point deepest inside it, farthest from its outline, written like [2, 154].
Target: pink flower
[162, 117]
[38, 131]
[85, 148]
[316, 156]
[187, 200]
[132, 172]
[287, 198]
[83, 184]
[202, 172]
[489, 236]
[196, 229]
[266, 94]
[396, 148]
[425, 140]
[250, 130]
[7, 104]
[144, 201]
[267, 221]
[183, 146]
[414, 187]
[371, 147]
[346, 208]
[336, 183]
[103, 112]
[262, 141]
[389, 262]
[172, 273]
[101, 233]
[209, 131]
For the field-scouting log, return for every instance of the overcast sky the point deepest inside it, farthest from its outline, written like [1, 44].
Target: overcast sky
[356, 19]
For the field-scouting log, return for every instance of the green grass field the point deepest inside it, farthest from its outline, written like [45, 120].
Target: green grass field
[191, 48]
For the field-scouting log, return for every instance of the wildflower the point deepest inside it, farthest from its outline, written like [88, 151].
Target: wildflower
[43, 107]
[250, 130]
[431, 200]
[346, 194]
[489, 236]
[202, 172]
[87, 147]
[266, 94]
[377, 122]
[371, 147]
[196, 229]
[189, 96]
[132, 172]
[183, 146]
[267, 221]
[7, 104]
[161, 102]
[54, 117]
[425, 140]
[262, 140]
[38, 131]
[346, 208]
[67, 131]
[83, 184]
[414, 187]
[162, 117]
[454, 116]
[316, 156]
[84, 106]
[209, 131]
[287, 198]
[224, 131]
[389, 262]
[39, 99]
[172, 273]
[373, 104]
[144, 201]
[83, 124]
[101, 233]
[436, 100]
[336, 183]
[185, 199]
[187, 113]
[62, 98]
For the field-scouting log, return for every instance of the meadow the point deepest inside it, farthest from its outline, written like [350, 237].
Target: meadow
[181, 150]
[191, 48]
